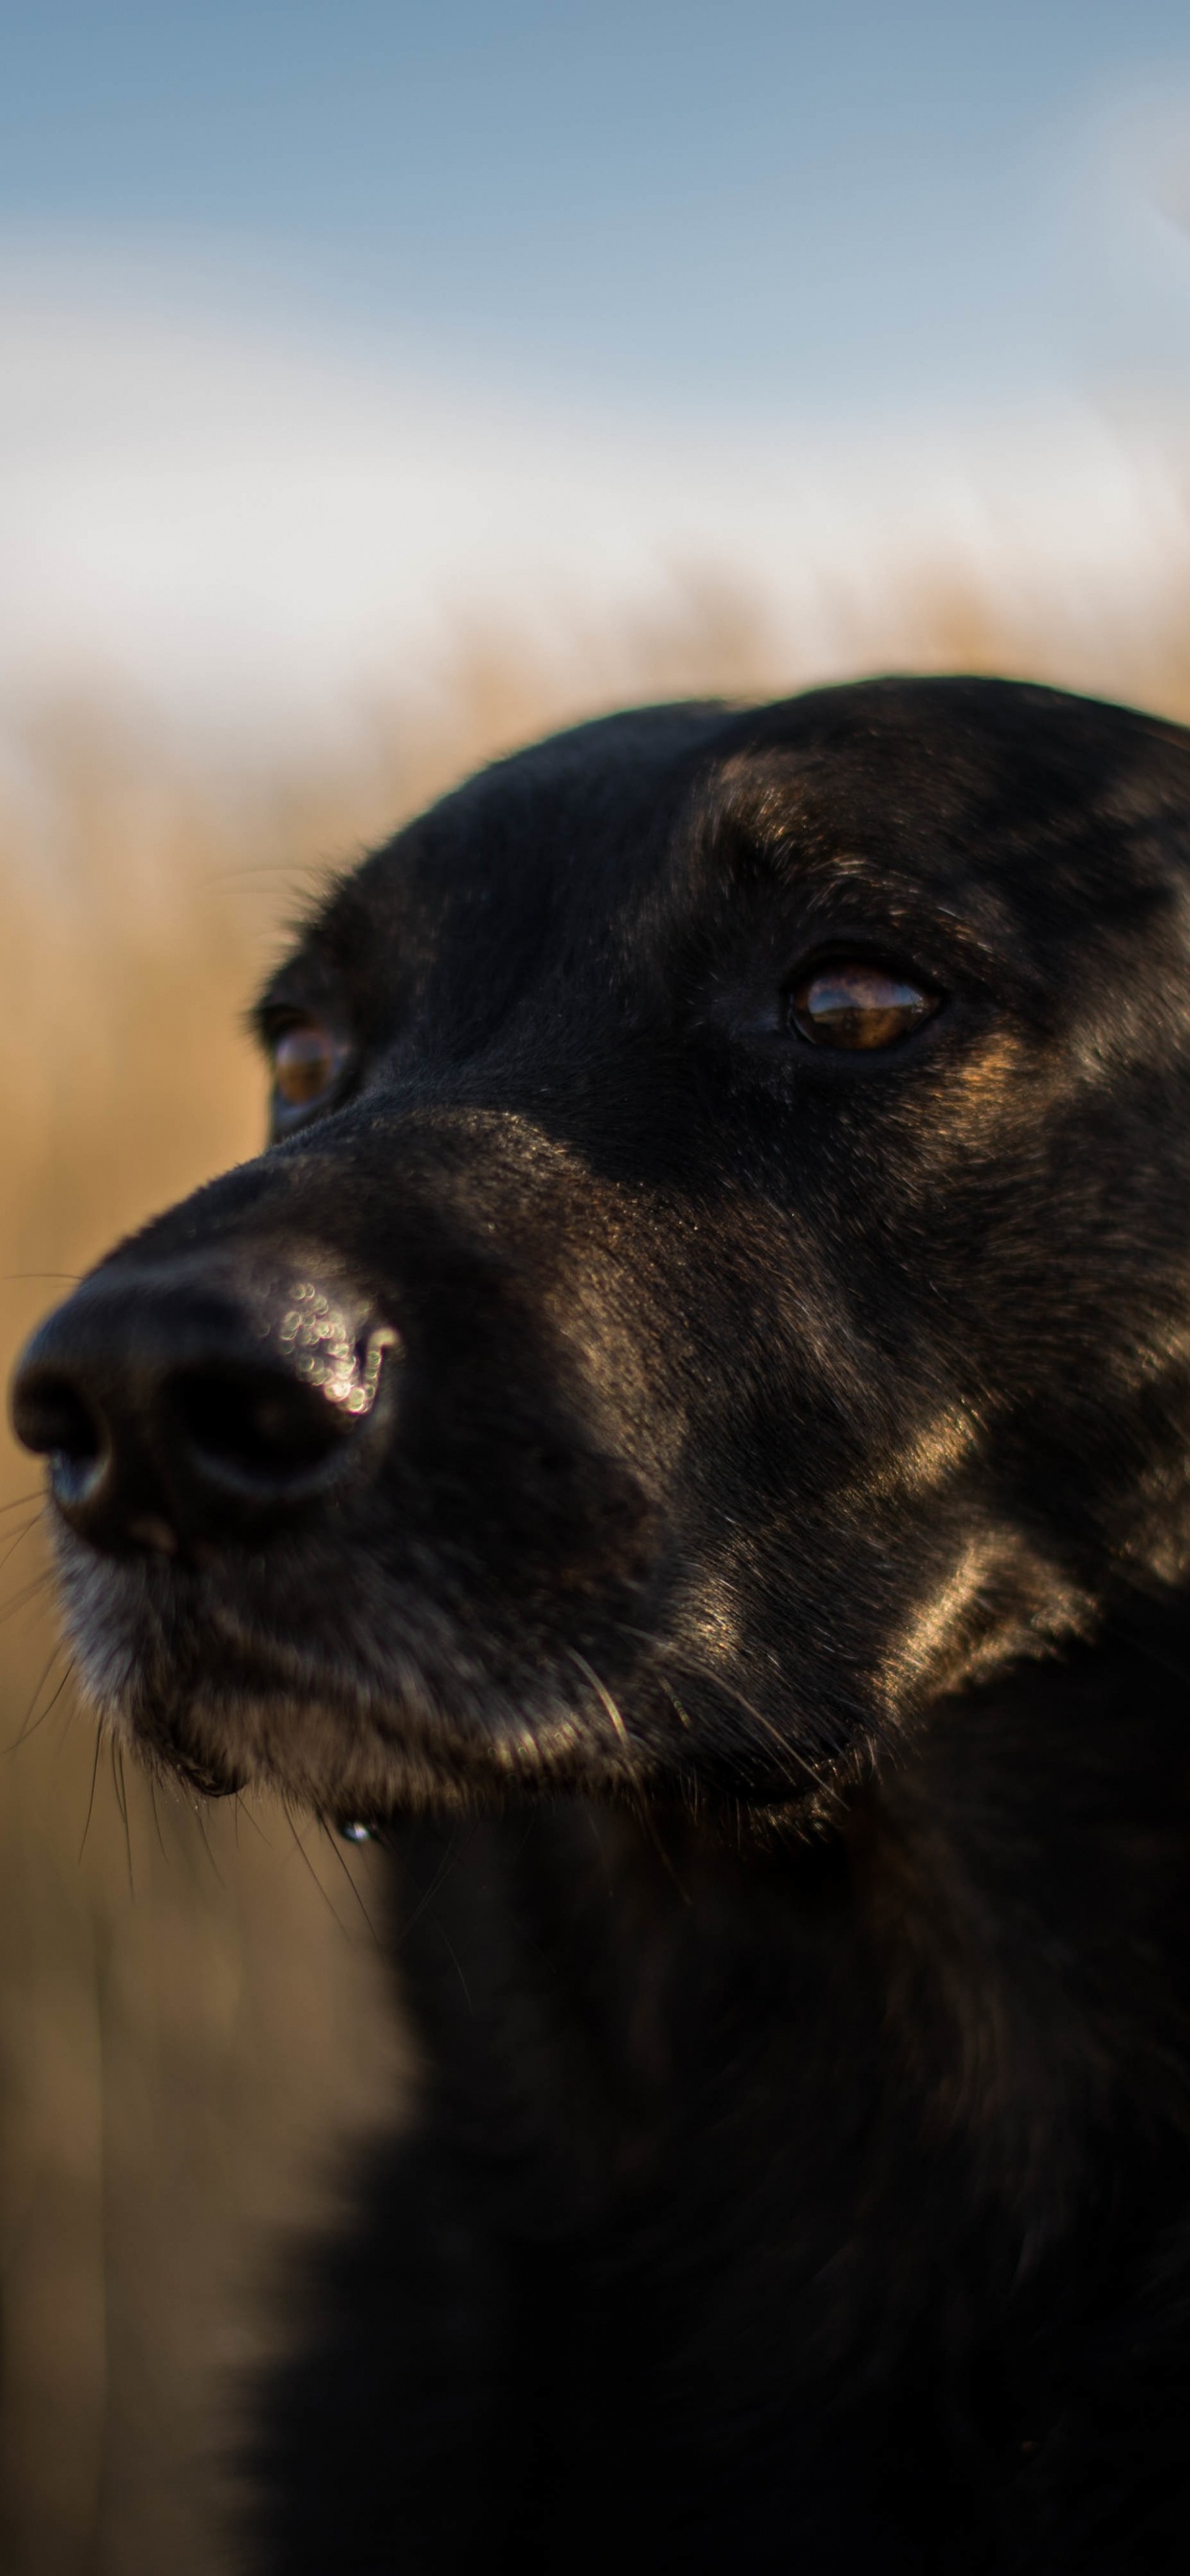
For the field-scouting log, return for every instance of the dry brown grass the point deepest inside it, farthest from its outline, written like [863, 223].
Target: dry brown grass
[191, 2015]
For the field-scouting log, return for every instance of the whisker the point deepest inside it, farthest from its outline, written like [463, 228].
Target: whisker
[91, 1798]
[43, 1676]
[428, 1894]
[200, 1818]
[333, 1840]
[67, 1677]
[642, 1808]
[606, 1702]
[291, 868]
[156, 1816]
[31, 1723]
[702, 1676]
[20, 1538]
[792, 1754]
[20, 1600]
[121, 1788]
[242, 1809]
[308, 1864]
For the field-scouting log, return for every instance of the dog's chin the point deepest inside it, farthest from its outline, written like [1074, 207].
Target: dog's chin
[363, 1696]
[346, 1760]
[403, 1716]
[418, 1715]
[356, 1771]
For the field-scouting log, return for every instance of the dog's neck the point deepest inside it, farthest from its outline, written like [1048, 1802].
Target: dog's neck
[971, 1999]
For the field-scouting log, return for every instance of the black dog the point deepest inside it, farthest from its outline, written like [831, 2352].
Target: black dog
[686, 1433]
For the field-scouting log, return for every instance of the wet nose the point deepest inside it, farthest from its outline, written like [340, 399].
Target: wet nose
[202, 1401]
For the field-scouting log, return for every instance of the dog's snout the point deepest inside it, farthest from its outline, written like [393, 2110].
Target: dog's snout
[191, 1403]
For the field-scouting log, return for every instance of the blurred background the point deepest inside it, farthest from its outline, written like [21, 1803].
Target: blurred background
[383, 384]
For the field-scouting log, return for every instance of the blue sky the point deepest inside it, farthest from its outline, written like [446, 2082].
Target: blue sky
[730, 203]
[328, 332]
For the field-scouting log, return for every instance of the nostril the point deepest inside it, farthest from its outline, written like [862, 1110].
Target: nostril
[53, 1419]
[256, 1425]
[199, 1400]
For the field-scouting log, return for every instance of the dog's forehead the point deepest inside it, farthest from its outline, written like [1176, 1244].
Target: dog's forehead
[991, 793]
[1016, 803]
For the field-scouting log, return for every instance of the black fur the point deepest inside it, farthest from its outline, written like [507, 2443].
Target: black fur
[752, 1605]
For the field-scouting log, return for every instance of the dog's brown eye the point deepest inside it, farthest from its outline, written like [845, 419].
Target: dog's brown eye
[307, 1061]
[852, 1004]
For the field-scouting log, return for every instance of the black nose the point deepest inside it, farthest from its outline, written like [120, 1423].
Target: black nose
[206, 1400]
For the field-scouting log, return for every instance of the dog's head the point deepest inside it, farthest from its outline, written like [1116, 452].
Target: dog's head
[720, 1280]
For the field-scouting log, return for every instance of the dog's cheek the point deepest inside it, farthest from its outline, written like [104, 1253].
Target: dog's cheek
[999, 1598]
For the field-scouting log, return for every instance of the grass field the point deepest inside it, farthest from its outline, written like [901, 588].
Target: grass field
[191, 2008]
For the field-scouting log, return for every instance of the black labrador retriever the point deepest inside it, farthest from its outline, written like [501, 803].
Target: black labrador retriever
[685, 1435]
